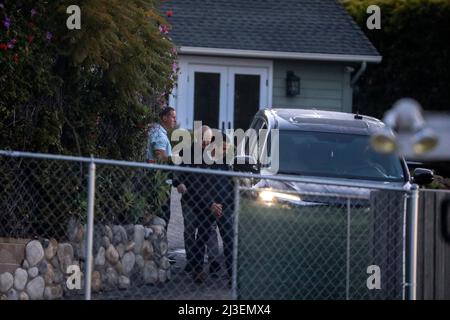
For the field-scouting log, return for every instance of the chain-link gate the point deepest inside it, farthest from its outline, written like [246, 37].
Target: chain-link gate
[228, 236]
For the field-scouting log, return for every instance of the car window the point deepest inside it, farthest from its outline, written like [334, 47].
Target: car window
[336, 155]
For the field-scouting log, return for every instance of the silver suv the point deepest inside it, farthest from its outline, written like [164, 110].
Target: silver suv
[325, 145]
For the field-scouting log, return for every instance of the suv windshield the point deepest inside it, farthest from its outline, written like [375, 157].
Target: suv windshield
[336, 155]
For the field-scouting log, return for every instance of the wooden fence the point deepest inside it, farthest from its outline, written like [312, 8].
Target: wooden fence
[433, 270]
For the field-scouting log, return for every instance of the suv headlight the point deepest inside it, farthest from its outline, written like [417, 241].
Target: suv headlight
[269, 196]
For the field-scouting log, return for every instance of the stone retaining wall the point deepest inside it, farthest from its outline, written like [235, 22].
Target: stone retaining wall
[122, 254]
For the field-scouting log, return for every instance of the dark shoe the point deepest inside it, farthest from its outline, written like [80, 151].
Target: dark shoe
[172, 257]
[199, 277]
[188, 268]
[214, 269]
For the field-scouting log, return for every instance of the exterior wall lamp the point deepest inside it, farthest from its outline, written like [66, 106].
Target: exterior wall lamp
[292, 84]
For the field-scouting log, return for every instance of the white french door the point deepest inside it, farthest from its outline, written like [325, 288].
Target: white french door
[247, 93]
[207, 88]
[224, 96]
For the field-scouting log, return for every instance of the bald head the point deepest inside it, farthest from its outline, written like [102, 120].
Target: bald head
[206, 136]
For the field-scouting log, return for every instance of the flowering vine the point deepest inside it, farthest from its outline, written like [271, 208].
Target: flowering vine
[12, 37]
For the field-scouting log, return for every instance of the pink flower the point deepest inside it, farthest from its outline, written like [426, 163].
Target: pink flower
[33, 12]
[163, 29]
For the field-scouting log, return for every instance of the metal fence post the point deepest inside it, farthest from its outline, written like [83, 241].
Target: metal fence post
[235, 239]
[411, 252]
[347, 272]
[90, 229]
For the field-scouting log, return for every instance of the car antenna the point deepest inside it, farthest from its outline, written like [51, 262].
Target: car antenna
[357, 115]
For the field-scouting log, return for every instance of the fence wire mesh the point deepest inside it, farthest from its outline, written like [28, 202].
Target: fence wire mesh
[321, 246]
[180, 234]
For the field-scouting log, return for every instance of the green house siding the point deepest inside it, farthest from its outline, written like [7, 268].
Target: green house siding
[323, 85]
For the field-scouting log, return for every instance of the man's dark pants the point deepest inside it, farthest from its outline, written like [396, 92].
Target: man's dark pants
[204, 222]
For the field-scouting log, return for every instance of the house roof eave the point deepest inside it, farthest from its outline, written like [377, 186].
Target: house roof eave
[278, 54]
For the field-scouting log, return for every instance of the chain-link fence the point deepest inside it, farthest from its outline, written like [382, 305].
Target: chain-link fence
[175, 232]
[321, 245]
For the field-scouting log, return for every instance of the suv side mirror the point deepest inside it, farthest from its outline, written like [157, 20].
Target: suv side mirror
[245, 164]
[423, 176]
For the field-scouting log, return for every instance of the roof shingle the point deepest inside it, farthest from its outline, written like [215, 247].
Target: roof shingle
[301, 26]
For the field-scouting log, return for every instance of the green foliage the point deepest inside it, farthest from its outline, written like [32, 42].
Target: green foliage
[126, 195]
[121, 41]
[88, 91]
[81, 92]
[38, 197]
[26, 77]
[439, 183]
[413, 41]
